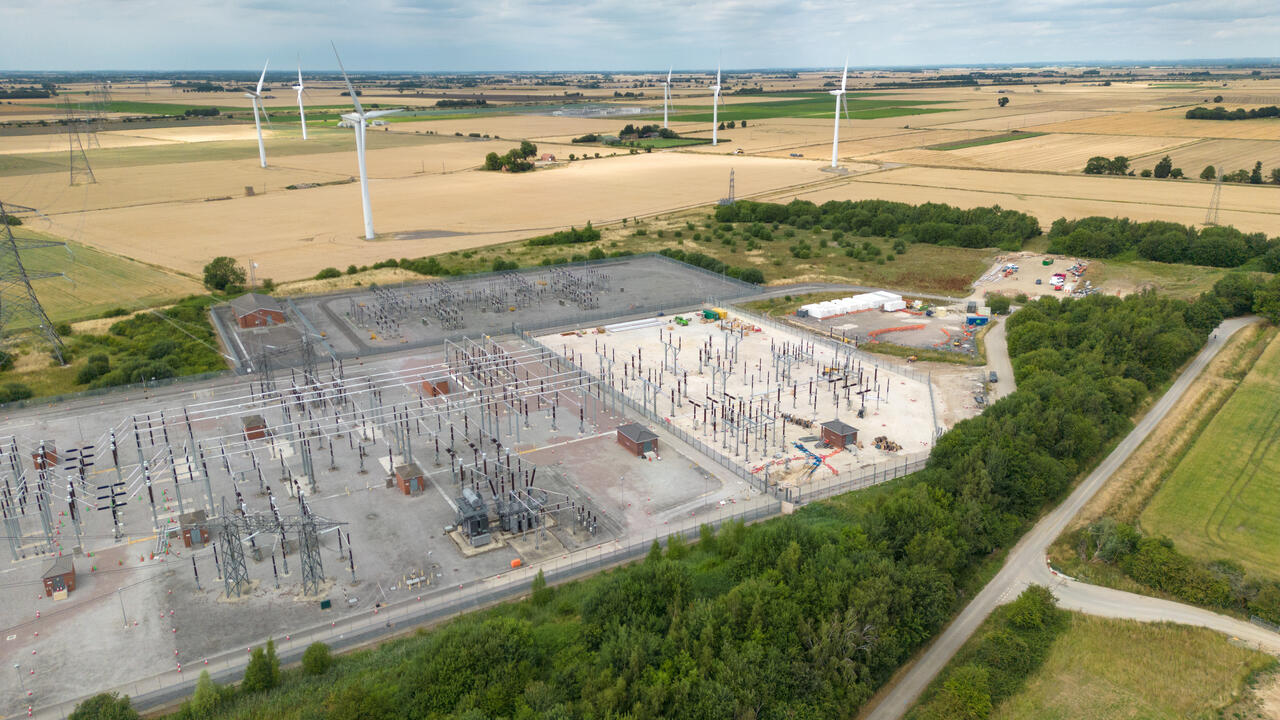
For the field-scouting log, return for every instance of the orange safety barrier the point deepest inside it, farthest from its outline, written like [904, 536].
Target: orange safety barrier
[902, 328]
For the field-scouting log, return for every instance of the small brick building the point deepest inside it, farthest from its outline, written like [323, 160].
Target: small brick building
[839, 434]
[255, 427]
[195, 529]
[435, 388]
[637, 439]
[257, 310]
[60, 578]
[410, 479]
[45, 457]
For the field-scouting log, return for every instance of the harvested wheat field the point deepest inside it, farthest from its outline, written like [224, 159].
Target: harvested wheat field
[1011, 119]
[1168, 123]
[1046, 153]
[294, 234]
[1048, 197]
[1229, 154]
[530, 127]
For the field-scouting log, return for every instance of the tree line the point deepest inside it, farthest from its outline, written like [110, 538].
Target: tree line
[26, 93]
[933, 223]
[1167, 242]
[461, 102]
[1221, 113]
[802, 616]
[702, 260]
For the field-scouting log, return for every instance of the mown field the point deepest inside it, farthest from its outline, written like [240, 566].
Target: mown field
[1222, 501]
[1106, 669]
[97, 281]
[809, 106]
[286, 141]
[992, 140]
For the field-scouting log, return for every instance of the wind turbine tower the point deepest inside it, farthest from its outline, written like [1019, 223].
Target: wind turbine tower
[255, 96]
[360, 120]
[302, 113]
[841, 100]
[666, 96]
[715, 108]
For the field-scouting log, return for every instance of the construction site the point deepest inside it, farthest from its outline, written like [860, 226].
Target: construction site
[784, 407]
[882, 317]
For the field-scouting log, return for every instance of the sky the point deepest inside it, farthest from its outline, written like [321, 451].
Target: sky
[480, 35]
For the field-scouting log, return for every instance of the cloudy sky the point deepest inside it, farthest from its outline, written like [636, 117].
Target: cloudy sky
[444, 35]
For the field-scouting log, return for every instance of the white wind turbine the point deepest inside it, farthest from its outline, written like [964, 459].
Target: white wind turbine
[256, 97]
[666, 96]
[715, 107]
[841, 100]
[302, 113]
[360, 120]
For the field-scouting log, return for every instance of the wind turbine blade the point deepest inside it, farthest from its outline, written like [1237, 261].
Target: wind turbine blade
[844, 100]
[299, 71]
[263, 76]
[844, 81]
[379, 113]
[673, 67]
[352, 90]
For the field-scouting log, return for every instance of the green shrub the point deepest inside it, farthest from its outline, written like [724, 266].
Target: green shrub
[316, 659]
[329, 272]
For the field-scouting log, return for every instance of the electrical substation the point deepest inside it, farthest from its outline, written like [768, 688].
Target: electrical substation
[395, 444]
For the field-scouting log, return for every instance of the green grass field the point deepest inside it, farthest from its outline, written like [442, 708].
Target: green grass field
[285, 144]
[809, 106]
[1222, 501]
[99, 281]
[992, 140]
[1106, 669]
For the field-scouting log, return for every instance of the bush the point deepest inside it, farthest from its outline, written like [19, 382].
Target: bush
[572, 236]
[352, 269]
[316, 659]
[104, 706]
[114, 312]
[999, 304]
[14, 391]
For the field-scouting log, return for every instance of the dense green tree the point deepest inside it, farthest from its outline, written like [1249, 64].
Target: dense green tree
[223, 272]
[528, 149]
[999, 304]
[1004, 100]
[1266, 300]
[1208, 173]
[493, 161]
[1163, 168]
[1255, 177]
[104, 706]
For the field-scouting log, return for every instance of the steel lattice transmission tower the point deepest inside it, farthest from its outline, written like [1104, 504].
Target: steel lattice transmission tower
[1211, 217]
[78, 162]
[19, 307]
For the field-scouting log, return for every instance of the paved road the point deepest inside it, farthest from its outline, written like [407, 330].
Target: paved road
[1026, 563]
[998, 360]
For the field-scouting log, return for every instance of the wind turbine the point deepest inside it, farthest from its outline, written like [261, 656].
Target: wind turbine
[715, 107]
[256, 97]
[841, 100]
[360, 120]
[666, 96]
[302, 114]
